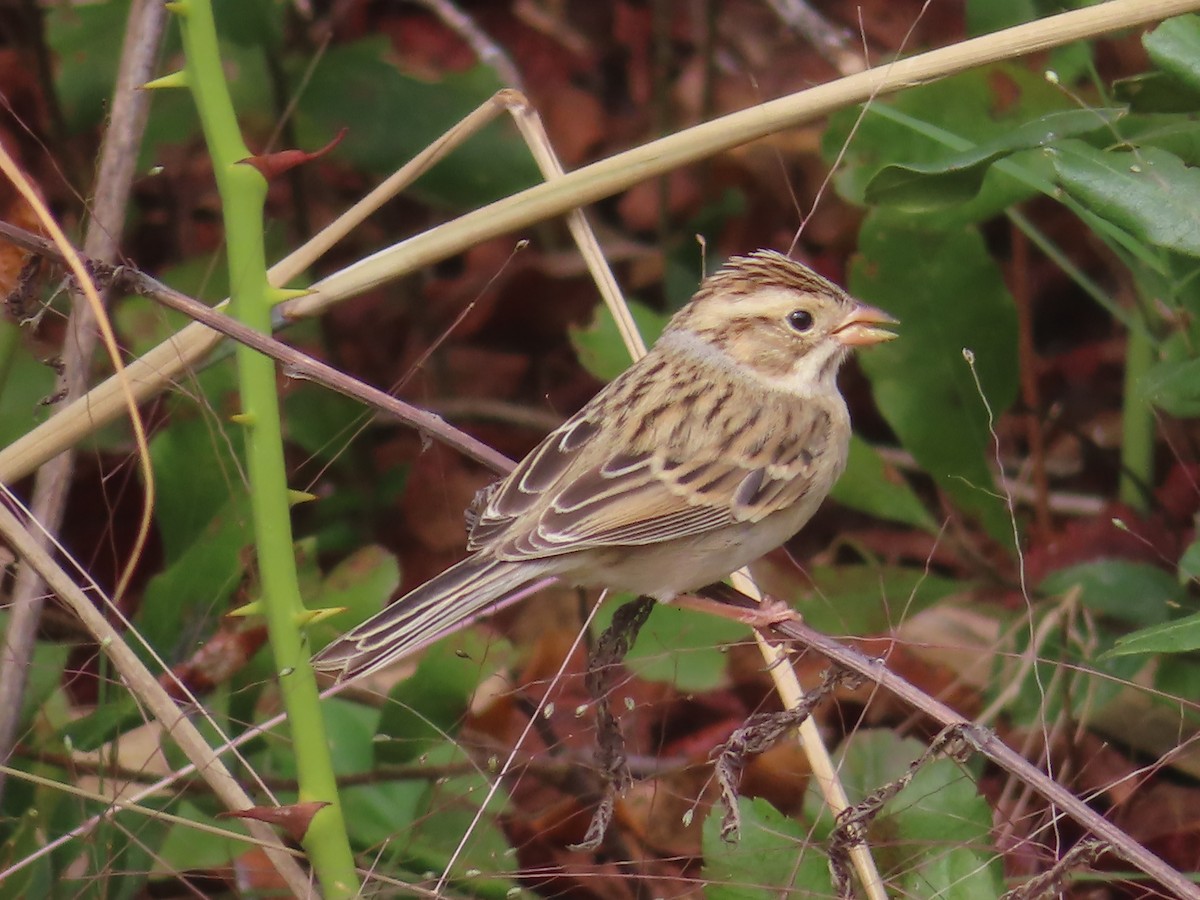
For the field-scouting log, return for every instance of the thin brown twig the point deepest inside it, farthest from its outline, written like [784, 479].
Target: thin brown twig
[296, 363]
[489, 52]
[482, 409]
[830, 41]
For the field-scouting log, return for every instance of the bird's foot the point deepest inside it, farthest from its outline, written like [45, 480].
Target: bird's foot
[770, 611]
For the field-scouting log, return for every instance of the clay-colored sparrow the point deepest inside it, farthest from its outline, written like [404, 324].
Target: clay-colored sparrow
[714, 448]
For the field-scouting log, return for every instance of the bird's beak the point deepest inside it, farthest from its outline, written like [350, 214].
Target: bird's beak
[863, 326]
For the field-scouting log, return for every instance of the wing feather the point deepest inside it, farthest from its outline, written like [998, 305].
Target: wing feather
[671, 481]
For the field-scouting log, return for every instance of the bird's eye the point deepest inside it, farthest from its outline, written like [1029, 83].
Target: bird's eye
[800, 319]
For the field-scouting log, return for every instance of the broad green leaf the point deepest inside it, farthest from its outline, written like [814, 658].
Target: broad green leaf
[1175, 676]
[127, 848]
[1149, 193]
[1189, 563]
[1174, 46]
[103, 724]
[375, 813]
[24, 383]
[1132, 592]
[1156, 92]
[924, 124]
[86, 43]
[873, 487]
[686, 647]
[182, 602]
[187, 849]
[24, 835]
[958, 177]
[949, 296]
[349, 728]
[1174, 133]
[868, 599]
[42, 701]
[986, 16]
[254, 23]
[361, 584]
[774, 853]
[680, 646]
[391, 117]
[450, 809]
[933, 839]
[322, 422]
[423, 711]
[45, 675]
[197, 478]
[1173, 387]
[599, 346]
[1180, 636]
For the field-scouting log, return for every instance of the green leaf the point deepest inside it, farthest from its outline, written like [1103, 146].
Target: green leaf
[873, 487]
[45, 675]
[1129, 591]
[1174, 46]
[24, 835]
[986, 16]
[255, 23]
[451, 809]
[679, 646]
[323, 422]
[24, 383]
[1156, 92]
[190, 849]
[391, 117]
[933, 839]
[1149, 193]
[423, 711]
[685, 647]
[103, 724]
[376, 812]
[949, 296]
[362, 584]
[1174, 387]
[181, 603]
[1176, 134]
[924, 124]
[86, 43]
[1189, 563]
[958, 177]
[599, 346]
[197, 478]
[448, 821]
[1180, 636]
[774, 853]
[869, 599]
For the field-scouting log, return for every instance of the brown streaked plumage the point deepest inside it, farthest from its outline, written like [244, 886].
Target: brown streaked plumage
[711, 450]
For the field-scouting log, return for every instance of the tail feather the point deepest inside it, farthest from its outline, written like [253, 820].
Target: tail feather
[434, 609]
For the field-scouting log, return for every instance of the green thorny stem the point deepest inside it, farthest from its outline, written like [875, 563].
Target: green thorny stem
[243, 191]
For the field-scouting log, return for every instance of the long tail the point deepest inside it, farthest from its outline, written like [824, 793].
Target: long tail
[423, 615]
